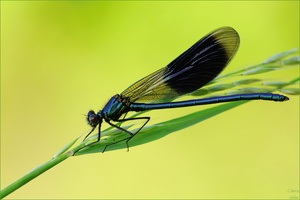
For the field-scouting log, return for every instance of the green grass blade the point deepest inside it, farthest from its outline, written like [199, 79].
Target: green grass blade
[290, 91]
[295, 60]
[279, 56]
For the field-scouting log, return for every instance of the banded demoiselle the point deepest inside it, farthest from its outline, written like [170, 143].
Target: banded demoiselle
[193, 69]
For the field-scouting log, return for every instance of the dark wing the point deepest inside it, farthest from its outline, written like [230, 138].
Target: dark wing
[194, 68]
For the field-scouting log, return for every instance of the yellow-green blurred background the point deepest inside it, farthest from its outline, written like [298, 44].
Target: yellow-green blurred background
[61, 59]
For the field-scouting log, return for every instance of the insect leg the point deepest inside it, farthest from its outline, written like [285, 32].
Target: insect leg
[126, 131]
[98, 139]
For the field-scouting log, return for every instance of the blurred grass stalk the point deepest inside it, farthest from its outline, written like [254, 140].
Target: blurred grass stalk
[283, 60]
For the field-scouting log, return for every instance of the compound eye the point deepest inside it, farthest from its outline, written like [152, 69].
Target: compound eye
[92, 118]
